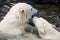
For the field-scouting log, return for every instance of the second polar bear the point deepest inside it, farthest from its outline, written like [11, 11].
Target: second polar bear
[45, 29]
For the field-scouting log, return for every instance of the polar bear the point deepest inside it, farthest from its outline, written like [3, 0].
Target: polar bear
[45, 29]
[17, 18]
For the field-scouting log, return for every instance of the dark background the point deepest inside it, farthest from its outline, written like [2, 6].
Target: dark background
[29, 1]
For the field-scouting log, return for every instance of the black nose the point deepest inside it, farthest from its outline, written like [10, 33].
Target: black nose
[38, 14]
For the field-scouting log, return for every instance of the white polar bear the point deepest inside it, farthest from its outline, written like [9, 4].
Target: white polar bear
[16, 19]
[45, 29]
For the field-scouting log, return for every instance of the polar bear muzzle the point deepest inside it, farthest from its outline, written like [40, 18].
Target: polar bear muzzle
[31, 22]
[37, 15]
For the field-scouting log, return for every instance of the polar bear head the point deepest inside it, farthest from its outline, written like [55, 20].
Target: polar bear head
[20, 13]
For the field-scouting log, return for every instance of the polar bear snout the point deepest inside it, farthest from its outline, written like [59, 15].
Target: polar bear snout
[31, 20]
[33, 16]
[37, 14]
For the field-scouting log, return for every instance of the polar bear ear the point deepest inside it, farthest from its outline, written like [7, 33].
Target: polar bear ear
[22, 11]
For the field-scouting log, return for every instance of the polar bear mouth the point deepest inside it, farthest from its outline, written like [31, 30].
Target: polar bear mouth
[31, 23]
[30, 20]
